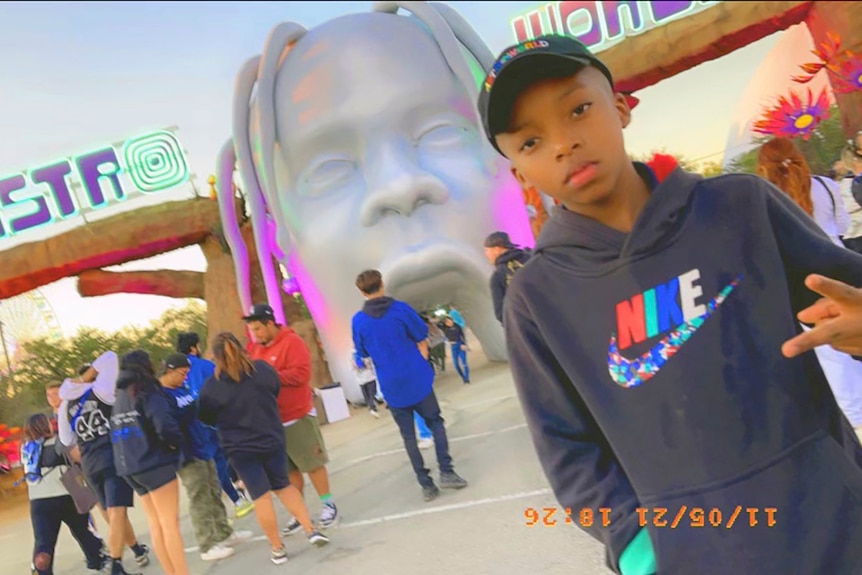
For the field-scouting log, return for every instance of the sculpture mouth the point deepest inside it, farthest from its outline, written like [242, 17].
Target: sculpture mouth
[427, 276]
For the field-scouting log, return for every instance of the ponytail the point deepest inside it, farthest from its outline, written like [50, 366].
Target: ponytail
[230, 357]
[781, 162]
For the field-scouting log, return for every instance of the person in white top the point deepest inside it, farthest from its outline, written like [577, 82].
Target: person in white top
[781, 162]
[367, 381]
[851, 172]
[50, 503]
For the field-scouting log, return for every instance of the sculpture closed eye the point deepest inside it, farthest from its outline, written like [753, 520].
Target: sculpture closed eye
[443, 137]
[326, 176]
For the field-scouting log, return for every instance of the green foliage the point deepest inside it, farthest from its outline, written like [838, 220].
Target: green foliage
[23, 391]
[821, 150]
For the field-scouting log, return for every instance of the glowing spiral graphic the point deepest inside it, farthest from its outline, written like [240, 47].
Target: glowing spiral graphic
[155, 162]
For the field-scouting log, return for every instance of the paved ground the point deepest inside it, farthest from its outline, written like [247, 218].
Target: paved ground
[386, 527]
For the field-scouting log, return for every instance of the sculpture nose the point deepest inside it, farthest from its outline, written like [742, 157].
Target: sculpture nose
[397, 185]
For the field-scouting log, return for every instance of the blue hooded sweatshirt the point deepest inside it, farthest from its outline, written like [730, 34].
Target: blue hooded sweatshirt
[201, 440]
[649, 368]
[388, 331]
[145, 431]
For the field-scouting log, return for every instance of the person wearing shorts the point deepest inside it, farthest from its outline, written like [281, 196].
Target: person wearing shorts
[83, 421]
[147, 442]
[287, 353]
[240, 401]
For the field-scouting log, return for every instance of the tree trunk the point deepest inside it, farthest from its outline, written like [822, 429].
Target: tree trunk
[167, 283]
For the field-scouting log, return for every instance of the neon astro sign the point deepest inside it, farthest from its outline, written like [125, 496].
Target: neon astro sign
[143, 165]
[599, 25]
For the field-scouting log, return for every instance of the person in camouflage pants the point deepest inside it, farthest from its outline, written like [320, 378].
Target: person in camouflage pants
[197, 469]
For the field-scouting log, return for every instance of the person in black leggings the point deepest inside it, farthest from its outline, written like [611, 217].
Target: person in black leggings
[50, 503]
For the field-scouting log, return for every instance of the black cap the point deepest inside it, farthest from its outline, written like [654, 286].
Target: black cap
[177, 361]
[499, 240]
[522, 65]
[260, 312]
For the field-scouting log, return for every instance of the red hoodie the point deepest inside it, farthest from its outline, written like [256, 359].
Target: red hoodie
[289, 356]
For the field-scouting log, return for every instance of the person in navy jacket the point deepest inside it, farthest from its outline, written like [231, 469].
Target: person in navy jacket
[147, 442]
[645, 339]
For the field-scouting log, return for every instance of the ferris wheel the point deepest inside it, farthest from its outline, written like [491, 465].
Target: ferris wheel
[24, 318]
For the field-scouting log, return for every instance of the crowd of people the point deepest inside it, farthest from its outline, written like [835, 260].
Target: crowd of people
[242, 425]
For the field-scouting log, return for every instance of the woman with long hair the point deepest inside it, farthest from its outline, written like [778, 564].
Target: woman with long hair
[781, 162]
[240, 401]
[50, 503]
[147, 438]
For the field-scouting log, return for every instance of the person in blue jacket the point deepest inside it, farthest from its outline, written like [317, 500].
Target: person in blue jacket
[394, 336]
[147, 443]
[189, 343]
[645, 339]
[213, 531]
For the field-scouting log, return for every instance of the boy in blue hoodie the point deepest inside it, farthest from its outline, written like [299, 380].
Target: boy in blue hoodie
[645, 342]
[394, 336]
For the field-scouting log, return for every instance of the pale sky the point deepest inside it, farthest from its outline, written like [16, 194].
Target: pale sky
[74, 76]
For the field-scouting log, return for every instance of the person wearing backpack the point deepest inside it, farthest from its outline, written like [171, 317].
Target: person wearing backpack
[507, 258]
[50, 503]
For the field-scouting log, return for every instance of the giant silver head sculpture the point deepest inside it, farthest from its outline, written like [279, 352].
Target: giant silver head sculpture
[359, 146]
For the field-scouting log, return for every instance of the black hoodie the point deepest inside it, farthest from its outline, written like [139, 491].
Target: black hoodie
[145, 431]
[627, 412]
[505, 267]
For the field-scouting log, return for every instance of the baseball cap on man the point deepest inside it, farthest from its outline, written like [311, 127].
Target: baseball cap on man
[260, 312]
[177, 361]
[520, 66]
[499, 240]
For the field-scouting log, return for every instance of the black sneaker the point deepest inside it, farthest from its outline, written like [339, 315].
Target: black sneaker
[143, 559]
[430, 493]
[292, 527]
[118, 569]
[452, 480]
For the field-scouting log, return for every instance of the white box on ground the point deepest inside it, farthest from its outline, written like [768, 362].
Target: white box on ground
[334, 403]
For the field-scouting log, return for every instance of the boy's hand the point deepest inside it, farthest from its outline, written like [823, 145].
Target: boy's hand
[837, 319]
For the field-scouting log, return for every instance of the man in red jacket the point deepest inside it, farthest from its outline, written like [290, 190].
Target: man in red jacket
[286, 352]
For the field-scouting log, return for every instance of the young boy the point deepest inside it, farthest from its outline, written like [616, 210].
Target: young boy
[645, 342]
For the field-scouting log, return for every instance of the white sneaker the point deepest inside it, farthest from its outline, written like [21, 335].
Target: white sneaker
[425, 443]
[217, 552]
[375, 413]
[236, 537]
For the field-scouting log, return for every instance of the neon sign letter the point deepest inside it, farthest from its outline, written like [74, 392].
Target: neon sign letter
[54, 176]
[143, 165]
[601, 24]
[95, 166]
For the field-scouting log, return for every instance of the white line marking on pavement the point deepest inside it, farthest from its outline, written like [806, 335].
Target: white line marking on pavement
[195, 549]
[451, 440]
[426, 511]
[444, 508]
[462, 406]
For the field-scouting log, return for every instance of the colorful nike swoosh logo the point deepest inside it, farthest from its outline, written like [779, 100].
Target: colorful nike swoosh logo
[633, 372]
